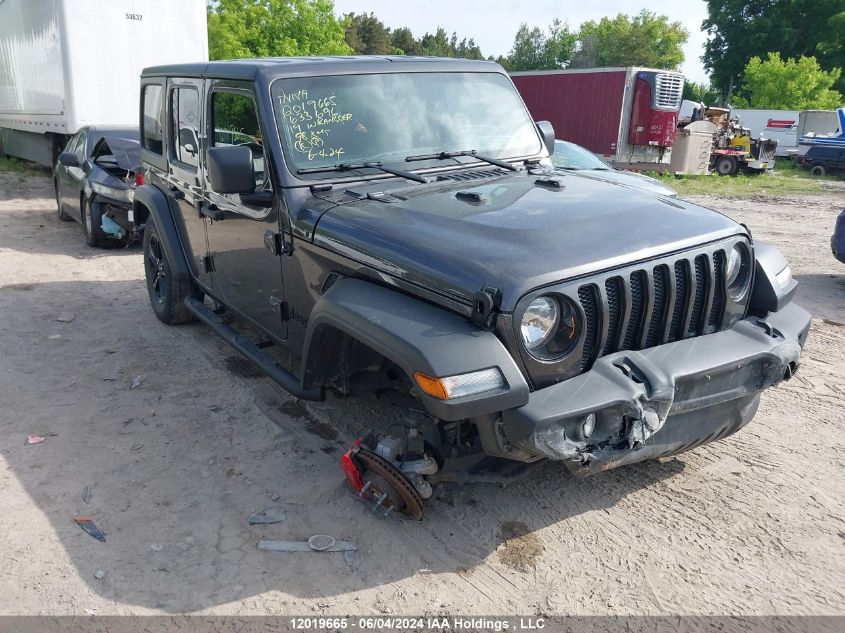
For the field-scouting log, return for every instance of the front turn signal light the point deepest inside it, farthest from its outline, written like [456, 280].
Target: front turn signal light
[452, 387]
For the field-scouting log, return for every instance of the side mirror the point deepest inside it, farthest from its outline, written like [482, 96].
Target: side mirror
[547, 133]
[68, 159]
[230, 169]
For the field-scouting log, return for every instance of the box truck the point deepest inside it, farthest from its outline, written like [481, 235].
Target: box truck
[69, 63]
[628, 115]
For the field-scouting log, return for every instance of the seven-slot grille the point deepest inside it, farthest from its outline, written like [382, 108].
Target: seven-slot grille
[655, 303]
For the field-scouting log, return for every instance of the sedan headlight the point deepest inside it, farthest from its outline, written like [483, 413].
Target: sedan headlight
[549, 327]
[124, 195]
[738, 272]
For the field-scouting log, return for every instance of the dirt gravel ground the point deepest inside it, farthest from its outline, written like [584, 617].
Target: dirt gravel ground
[172, 469]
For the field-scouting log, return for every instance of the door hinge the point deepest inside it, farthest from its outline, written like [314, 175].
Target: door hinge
[207, 263]
[275, 241]
[282, 306]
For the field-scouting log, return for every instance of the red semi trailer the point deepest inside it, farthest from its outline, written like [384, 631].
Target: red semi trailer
[628, 115]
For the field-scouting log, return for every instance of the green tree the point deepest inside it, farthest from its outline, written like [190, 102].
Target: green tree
[831, 46]
[436, 44]
[468, 49]
[367, 35]
[271, 28]
[701, 93]
[534, 49]
[404, 42]
[647, 39]
[741, 29]
[776, 84]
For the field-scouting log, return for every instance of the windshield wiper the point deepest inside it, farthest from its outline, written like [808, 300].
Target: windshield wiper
[467, 152]
[373, 165]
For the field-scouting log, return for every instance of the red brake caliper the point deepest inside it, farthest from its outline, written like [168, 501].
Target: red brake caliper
[353, 475]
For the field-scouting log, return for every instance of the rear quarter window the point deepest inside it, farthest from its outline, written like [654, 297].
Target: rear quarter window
[151, 120]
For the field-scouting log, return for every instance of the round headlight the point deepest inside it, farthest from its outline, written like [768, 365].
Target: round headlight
[549, 327]
[539, 322]
[737, 272]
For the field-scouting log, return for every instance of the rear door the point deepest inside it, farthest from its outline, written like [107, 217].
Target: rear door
[246, 272]
[184, 121]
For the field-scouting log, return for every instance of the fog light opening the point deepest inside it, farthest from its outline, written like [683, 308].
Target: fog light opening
[791, 368]
[589, 425]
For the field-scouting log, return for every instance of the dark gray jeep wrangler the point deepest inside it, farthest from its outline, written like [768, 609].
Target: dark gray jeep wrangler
[396, 223]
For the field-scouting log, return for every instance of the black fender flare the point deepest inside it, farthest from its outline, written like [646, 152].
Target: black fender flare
[159, 206]
[416, 336]
[767, 293]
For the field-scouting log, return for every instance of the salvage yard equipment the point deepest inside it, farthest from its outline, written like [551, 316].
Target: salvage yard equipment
[511, 312]
[733, 148]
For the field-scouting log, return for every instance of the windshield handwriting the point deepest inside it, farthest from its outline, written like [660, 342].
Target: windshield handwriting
[311, 121]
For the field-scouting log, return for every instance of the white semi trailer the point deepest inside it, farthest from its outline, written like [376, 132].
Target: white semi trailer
[65, 64]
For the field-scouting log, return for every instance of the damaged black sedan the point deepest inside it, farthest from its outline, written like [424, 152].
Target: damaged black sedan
[95, 180]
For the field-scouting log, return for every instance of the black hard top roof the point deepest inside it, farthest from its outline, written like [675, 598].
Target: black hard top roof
[306, 66]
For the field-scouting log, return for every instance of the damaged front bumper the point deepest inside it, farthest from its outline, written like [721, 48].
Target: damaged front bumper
[637, 405]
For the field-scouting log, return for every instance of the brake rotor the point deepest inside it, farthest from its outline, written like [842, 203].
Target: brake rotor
[385, 484]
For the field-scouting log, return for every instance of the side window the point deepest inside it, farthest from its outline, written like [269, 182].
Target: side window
[73, 143]
[79, 150]
[185, 109]
[151, 134]
[235, 122]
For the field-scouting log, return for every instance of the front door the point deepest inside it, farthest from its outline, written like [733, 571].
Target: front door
[69, 180]
[247, 273]
[184, 115]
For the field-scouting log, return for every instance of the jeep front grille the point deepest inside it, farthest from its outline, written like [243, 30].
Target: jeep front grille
[654, 304]
[639, 306]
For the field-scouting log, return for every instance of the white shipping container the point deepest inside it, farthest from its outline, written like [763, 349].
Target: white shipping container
[69, 63]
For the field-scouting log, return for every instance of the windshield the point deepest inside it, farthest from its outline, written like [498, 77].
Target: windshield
[571, 156]
[386, 117]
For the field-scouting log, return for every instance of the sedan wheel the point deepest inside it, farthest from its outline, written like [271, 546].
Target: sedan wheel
[91, 223]
[818, 170]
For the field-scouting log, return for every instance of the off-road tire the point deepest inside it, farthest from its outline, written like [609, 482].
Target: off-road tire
[92, 223]
[167, 292]
[726, 165]
[64, 217]
[818, 170]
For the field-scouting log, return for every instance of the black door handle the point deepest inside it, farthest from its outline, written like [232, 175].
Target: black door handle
[212, 211]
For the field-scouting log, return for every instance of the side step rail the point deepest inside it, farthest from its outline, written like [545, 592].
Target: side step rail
[253, 353]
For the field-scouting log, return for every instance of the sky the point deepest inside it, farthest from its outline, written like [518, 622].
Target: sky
[493, 23]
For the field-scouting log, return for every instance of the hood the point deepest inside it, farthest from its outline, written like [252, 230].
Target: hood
[513, 232]
[125, 153]
[629, 178]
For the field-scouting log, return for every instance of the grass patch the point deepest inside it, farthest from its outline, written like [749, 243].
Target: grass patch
[788, 178]
[22, 168]
[13, 165]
